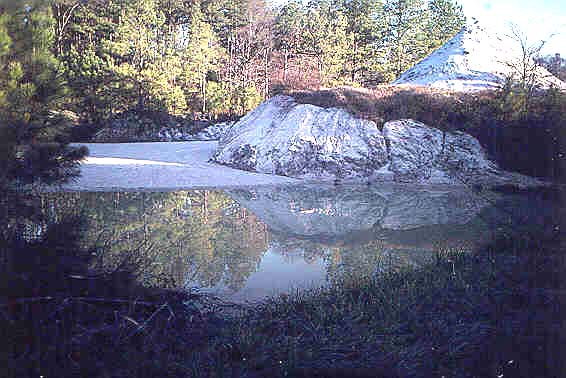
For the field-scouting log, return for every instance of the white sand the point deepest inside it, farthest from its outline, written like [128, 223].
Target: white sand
[160, 166]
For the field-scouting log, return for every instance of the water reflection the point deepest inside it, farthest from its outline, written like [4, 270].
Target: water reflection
[197, 236]
[336, 211]
[245, 244]
[43, 254]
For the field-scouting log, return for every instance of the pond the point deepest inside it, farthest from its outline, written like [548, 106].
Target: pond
[246, 244]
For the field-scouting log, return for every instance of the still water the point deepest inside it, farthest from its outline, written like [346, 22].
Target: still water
[245, 244]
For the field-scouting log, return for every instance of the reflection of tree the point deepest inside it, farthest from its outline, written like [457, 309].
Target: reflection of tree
[364, 256]
[197, 236]
[205, 238]
[60, 317]
[292, 248]
[342, 260]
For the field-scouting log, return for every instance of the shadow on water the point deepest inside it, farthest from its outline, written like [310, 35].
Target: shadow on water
[62, 314]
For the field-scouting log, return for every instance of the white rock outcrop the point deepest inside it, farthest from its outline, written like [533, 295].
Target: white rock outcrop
[473, 59]
[305, 141]
[301, 140]
[420, 153]
[213, 132]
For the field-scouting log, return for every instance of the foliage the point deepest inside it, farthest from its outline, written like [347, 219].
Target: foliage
[406, 38]
[360, 42]
[203, 53]
[32, 98]
[205, 59]
[444, 18]
[555, 64]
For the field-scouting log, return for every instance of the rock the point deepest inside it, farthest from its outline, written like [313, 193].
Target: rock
[164, 135]
[301, 140]
[213, 132]
[473, 60]
[305, 141]
[418, 153]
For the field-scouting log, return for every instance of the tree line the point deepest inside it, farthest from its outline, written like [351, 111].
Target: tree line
[555, 64]
[211, 58]
[75, 62]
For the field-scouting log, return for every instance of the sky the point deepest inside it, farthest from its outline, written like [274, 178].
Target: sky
[538, 19]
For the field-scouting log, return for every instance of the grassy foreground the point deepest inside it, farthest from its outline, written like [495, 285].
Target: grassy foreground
[496, 312]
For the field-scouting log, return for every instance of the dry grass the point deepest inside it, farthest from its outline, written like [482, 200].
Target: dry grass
[438, 108]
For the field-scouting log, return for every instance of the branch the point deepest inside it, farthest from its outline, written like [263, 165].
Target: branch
[82, 299]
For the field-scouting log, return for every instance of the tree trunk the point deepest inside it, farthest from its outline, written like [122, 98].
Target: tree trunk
[285, 65]
[203, 84]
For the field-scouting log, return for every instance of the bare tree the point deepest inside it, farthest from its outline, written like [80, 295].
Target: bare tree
[63, 11]
[524, 70]
[524, 67]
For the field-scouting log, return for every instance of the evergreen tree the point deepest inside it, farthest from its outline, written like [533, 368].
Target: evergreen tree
[327, 39]
[7, 134]
[405, 37]
[289, 28]
[364, 25]
[90, 80]
[32, 97]
[203, 55]
[445, 19]
[225, 17]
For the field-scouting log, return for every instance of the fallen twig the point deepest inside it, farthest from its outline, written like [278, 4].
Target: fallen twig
[84, 299]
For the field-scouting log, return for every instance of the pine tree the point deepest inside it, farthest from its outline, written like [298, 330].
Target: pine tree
[445, 19]
[364, 25]
[405, 33]
[327, 39]
[289, 32]
[225, 17]
[33, 97]
[203, 54]
[7, 134]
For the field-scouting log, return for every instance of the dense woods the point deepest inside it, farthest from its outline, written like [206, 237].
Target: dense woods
[214, 58]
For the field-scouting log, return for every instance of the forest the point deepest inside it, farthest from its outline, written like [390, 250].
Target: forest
[206, 58]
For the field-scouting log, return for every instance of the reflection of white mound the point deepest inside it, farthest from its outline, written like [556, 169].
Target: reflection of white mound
[330, 212]
[473, 60]
[312, 210]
